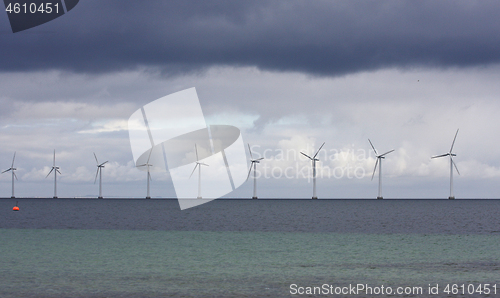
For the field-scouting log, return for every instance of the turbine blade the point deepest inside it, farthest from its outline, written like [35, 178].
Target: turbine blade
[150, 151]
[306, 155]
[49, 173]
[141, 165]
[58, 171]
[373, 147]
[442, 155]
[456, 168]
[196, 150]
[259, 159]
[319, 150]
[15, 175]
[386, 153]
[150, 176]
[451, 149]
[103, 163]
[193, 170]
[6, 170]
[96, 173]
[14, 158]
[250, 150]
[250, 170]
[375, 168]
[96, 161]
[200, 163]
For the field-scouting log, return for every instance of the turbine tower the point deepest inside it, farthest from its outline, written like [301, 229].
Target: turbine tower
[99, 172]
[56, 170]
[314, 160]
[452, 163]
[12, 169]
[379, 163]
[198, 164]
[254, 164]
[149, 175]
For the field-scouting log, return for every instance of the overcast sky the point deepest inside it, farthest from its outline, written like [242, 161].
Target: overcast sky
[290, 74]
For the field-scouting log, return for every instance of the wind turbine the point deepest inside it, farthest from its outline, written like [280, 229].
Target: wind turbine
[13, 174]
[254, 164]
[314, 160]
[56, 170]
[379, 163]
[198, 164]
[149, 175]
[452, 163]
[99, 172]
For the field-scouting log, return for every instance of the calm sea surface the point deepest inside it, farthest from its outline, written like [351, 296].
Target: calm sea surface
[247, 248]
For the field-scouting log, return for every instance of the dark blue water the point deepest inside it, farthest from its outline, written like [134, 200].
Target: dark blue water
[245, 248]
[341, 216]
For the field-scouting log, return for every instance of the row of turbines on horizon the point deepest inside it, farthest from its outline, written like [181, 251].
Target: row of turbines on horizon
[377, 163]
[253, 164]
[55, 169]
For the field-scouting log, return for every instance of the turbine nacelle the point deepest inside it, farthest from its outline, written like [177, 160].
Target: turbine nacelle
[12, 166]
[147, 164]
[313, 159]
[54, 167]
[450, 154]
[443, 155]
[197, 161]
[378, 156]
[56, 170]
[99, 168]
[257, 160]
[97, 162]
[253, 161]
[9, 169]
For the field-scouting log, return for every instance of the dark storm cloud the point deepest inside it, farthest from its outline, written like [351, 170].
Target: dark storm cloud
[317, 37]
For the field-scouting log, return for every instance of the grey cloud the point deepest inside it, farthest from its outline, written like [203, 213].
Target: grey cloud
[316, 37]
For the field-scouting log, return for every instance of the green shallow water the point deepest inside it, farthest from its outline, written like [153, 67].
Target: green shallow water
[127, 263]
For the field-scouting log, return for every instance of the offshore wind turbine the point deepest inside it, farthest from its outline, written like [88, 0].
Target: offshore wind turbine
[314, 160]
[379, 163]
[12, 169]
[56, 170]
[198, 164]
[99, 172]
[452, 163]
[149, 175]
[254, 164]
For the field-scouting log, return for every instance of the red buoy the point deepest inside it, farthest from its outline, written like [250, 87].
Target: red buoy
[15, 208]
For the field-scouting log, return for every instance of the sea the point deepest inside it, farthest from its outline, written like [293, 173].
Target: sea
[250, 248]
